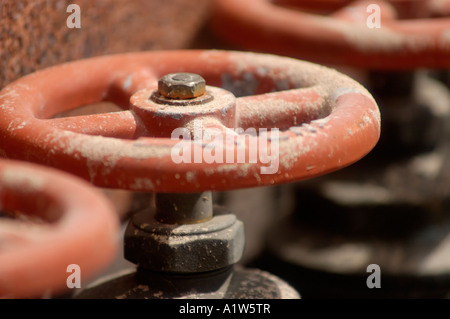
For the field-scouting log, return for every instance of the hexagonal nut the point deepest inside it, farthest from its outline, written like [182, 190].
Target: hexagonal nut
[192, 248]
[182, 86]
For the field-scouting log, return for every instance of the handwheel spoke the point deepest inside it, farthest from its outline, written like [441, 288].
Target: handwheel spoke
[116, 124]
[280, 109]
[128, 83]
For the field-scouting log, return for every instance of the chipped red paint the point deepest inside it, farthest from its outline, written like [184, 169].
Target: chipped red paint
[326, 120]
[77, 226]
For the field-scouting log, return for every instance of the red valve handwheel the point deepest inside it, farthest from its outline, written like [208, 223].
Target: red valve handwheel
[69, 222]
[339, 37]
[405, 8]
[132, 149]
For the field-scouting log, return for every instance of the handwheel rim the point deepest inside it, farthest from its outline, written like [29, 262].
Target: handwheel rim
[397, 45]
[350, 131]
[34, 261]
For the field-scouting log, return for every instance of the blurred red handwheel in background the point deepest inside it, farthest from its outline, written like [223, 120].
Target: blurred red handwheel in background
[50, 220]
[340, 34]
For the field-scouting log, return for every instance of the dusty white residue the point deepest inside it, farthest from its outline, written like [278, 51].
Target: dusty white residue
[13, 96]
[106, 152]
[384, 39]
[250, 110]
[8, 96]
[297, 130]
[21, 180]
[444, 40]
[367, 119]
[301, 74]
[344, 90]
[16, 125]
[9, 92]
[190, 176]
[142, 183]
[257, 177]
[102, 151]
[327, 82]
[174, 240]
[240, 169]
[128, 82]
[262, 71]
[376, 116]
[310, 128]
[321, 122]
[280, 138]
[292, 151]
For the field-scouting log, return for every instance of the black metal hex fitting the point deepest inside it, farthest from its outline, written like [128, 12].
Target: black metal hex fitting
[188, 248]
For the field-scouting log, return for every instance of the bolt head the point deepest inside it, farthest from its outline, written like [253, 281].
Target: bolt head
[182, 86]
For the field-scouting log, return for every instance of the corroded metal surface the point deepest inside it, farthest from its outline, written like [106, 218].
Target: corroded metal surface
[34, 34]
[187, 249]
[226, 283]
[182, 85]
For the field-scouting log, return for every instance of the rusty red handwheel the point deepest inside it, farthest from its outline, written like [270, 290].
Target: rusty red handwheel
[325, 119]
[68, 223]
[342, 36]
